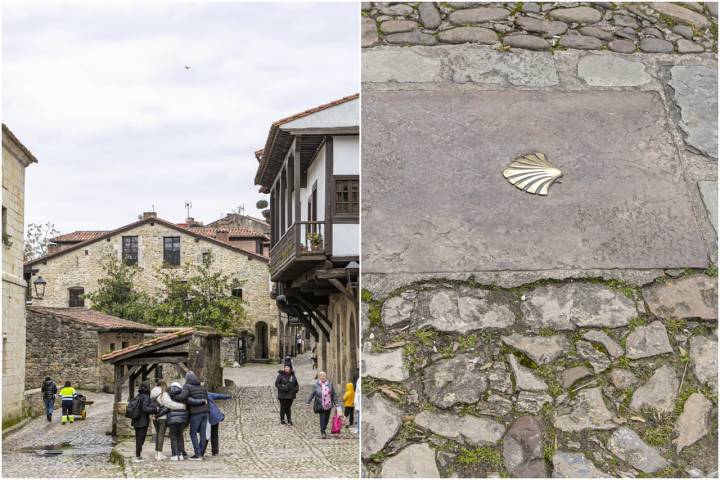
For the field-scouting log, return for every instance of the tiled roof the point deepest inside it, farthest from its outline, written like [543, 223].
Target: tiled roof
[233, 231]
[11, 136]
[94, 318]
[315, 109]
[185, 332]
[78, 236]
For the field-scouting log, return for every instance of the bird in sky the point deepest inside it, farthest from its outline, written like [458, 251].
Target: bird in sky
[187, 68]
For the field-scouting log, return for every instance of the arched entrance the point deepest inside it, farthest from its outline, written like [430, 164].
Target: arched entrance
[261, 340]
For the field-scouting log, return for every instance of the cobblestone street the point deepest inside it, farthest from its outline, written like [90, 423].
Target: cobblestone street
[252, 441]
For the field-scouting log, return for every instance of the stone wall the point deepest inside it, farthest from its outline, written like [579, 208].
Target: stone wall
[621, 27]
[82, 268]
[338, 357]
[105, 339]
[14, 162]
[63, 350]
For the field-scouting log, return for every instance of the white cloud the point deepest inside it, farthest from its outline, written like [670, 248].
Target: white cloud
[99, 93]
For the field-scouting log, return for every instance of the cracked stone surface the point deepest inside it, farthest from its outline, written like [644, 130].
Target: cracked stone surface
[580, 304]
[607, 71]
[598, 360]
[704, 358]
[695, 93]
[659, 392]
[467, 429]
[461, 311]
[380, 422]
[627, 445]
[598, 336]
[542, 350]
[694, 421]
[709, 193]
[455, 380]
[648, 341]
[694, 296]
[574, 465]
[589, 413]
[622, 378]
[385, 366]
[525, 379]
[397, 310]
[523, 449]
[572, 375]
[415, 461]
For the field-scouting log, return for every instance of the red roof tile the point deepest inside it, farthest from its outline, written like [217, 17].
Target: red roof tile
[233, 231]
[78, 236]
[147, 343]
[94, 318]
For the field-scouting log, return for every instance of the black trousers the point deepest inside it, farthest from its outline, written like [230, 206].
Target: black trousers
[140, 434]
[324, 419]
[177, 440]
[285, 409]
[214, 439]
[350, 414]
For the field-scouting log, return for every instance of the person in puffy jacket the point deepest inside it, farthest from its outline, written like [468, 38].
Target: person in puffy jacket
[216, 416]
[49, 392]
[142, 421]
[325, 398]
[349, 403]
[177, 420]
[287, 388]
[199, 414]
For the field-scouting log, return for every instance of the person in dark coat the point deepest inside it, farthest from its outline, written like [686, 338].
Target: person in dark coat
[216, 416]
[49, 392]
[287, 387]
[141, 423]
[199, 414]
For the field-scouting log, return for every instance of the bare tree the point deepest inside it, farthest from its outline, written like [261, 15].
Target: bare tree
[36, 239]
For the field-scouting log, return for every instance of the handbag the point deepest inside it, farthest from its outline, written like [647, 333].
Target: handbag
[317, 406]
[336, 424]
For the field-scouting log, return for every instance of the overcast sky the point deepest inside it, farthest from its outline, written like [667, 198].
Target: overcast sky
[99, 94]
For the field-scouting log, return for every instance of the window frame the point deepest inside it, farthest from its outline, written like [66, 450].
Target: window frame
[174, 252]
[340, 217]
[129, 260]
[232, 293]
[73, 293]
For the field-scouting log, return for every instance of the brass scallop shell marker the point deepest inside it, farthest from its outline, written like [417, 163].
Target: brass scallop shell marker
[532, 173]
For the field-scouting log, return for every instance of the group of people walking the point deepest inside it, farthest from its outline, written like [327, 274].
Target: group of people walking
[323, 398]
[172, 410]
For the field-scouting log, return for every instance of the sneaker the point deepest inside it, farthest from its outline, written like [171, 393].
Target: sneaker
[174, 458]
[196, 458]
[138, 460]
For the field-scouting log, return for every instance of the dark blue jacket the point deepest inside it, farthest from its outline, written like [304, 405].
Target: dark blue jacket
[216, 416]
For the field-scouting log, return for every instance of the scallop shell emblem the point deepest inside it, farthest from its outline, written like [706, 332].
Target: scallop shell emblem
[532, 173]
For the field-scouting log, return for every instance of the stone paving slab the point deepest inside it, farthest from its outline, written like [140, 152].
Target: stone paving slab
[438, 192]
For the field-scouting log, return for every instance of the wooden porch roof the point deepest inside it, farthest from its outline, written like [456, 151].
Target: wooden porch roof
[149, 346]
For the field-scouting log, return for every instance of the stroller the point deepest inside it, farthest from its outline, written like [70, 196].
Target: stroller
[79, 410]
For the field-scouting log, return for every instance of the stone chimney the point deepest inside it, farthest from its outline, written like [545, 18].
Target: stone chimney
[223, 235]
[147, 215]
[53, 248]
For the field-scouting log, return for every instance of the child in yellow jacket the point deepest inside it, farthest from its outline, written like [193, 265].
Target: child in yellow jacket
[349, 403]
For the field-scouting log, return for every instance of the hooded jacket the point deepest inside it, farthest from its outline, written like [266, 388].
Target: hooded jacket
[49, 390]
[216, 415]
[193, 389]
[287, 385]
[147, 407]
[349, 397]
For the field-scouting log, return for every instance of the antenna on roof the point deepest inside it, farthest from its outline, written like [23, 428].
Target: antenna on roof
[188, 206]
[241, 209]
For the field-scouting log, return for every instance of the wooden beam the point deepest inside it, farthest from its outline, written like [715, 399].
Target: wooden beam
[177, 358]
[343, 289]
[152, 348]
[130, 371]
[330, 273]
[329, 193]
[118, 396]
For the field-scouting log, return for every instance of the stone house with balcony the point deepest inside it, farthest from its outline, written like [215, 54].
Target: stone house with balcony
[310, 168]
[152, 243]
[15, 158]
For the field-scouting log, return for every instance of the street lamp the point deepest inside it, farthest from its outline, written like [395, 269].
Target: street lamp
[186, 303]
[39, 285]
[353, 270]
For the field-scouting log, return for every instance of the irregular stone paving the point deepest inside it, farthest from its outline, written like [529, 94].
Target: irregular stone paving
[252, 441]
[626, 28]
[619, 393]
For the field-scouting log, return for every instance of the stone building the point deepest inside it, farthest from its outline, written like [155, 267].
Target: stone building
[239, 220]
[67, 343]
[310, 168]
[15, 158]
[154, 244]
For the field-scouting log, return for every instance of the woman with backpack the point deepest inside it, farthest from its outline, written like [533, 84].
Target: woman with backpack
[216, 416]
[287, 388]
[325, 398]
[139, 409]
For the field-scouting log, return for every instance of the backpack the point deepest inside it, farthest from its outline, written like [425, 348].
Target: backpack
[133, 408]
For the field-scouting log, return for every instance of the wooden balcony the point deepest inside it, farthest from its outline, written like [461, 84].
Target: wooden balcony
[300, 248]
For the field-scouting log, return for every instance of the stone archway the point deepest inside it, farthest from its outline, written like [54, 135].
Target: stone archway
[261, 341]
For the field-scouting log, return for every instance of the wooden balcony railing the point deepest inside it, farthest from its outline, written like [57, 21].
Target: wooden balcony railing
[303, 239]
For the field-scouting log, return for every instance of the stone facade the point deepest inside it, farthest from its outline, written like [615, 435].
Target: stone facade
[66, 349]
[82, 267]
[15, 158]
[339, 356]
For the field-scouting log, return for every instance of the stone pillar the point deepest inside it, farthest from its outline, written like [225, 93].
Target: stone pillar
[204, 357]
